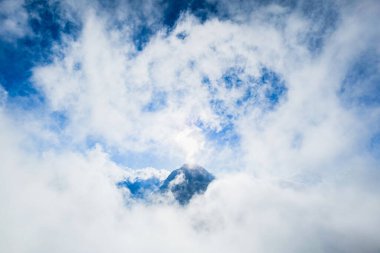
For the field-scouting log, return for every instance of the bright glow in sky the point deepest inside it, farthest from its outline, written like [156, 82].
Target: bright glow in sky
[280, 100]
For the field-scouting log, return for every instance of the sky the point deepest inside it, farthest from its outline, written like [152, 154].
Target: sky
[279, 99]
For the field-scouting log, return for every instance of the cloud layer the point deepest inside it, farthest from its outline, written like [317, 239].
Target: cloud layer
[277, 99]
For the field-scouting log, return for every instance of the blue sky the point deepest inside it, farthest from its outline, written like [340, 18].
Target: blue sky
[278, 97]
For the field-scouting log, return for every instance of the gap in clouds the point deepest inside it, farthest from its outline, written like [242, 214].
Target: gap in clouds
[46, 25]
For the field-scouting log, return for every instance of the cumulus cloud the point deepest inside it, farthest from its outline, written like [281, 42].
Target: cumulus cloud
[68, 202]
[265, 96]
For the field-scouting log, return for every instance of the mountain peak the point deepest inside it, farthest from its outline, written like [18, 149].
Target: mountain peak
[183, 183]
[187, 181]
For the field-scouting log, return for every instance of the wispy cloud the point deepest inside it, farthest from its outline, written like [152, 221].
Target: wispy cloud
[278, 99]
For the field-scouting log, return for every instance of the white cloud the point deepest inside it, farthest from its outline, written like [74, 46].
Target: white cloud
[100, 85]
[301, 180]
[68, 202]
[111, 89]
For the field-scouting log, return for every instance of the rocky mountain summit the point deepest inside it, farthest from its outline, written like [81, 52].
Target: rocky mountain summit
[183, 183]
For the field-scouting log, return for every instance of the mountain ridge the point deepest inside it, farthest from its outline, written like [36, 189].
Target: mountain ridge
[183, 183]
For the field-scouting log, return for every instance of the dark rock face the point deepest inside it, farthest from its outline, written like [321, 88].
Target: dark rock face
[187, 181]
[183, 183]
